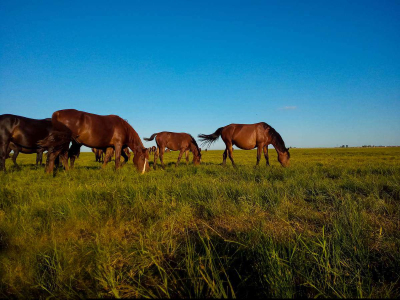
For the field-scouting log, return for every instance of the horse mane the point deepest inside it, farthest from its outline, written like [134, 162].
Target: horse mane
[132, 132]
[195, 143]
[276, 138]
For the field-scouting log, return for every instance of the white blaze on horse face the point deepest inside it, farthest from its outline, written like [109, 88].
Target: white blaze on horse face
[144, 166]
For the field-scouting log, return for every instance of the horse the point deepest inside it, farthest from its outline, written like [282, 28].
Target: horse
[247, 137]
[175, 141]
[99, 154]
[93, 131]
[23, 132]
[17, 149]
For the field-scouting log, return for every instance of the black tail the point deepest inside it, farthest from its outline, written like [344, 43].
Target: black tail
[55, 140]
[151, 138]
[209, 139]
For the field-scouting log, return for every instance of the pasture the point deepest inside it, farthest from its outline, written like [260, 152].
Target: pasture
[327, 226]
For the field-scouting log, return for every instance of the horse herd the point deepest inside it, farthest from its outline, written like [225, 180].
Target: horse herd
[67, 130]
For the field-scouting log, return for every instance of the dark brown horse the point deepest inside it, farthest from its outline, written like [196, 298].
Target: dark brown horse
[18, 149]
[93, 131]
[183, 142]
[23, 132]
[247, 137]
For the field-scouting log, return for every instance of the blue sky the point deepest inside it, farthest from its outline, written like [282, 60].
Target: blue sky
[321, 73]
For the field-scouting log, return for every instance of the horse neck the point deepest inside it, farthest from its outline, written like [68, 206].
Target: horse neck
[194, 149]
[135, 143]
[278, 143]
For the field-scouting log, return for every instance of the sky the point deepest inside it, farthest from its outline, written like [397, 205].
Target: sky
[322, 73]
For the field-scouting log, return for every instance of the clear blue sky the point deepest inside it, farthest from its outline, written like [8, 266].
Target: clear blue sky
[323, 73]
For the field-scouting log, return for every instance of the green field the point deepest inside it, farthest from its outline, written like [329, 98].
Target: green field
[327, 226]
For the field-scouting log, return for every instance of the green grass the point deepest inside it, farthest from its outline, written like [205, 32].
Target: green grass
[327, 226]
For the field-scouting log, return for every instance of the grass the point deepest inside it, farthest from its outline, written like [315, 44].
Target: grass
[327, 226]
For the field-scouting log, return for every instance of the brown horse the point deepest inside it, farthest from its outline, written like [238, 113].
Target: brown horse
[23, 132]
[18, 149]
[247, 137]
[99, 154]
[183, 142]
[93, 131]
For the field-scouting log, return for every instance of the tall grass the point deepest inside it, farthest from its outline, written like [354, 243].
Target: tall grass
[327, 226]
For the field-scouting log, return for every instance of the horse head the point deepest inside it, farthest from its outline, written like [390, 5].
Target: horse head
[141, 159]
[284, 158]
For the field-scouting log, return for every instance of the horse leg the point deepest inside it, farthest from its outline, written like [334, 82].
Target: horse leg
[125, 156]
[3, 155]
[266, 154]
[64, 159]
[117, 156]
[224, 157]
[107, 157]
[162, 157]
[179, 158]
[53, 157]
[73, 152]
[155, 159]
[15, 155]
[187, 156]
[39, 157]
[230, 152]
[259, 149]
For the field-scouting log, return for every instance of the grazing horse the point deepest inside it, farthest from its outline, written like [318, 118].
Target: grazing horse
[183, 142]
[23, 132]
[99, 154]
[93, 131]
[17, 149]
[247, 137]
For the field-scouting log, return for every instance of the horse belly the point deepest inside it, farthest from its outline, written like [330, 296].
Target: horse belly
[245, 145]
[245, 140]
[94, 140]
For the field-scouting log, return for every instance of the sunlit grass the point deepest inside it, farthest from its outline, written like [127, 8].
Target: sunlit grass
[327, 226]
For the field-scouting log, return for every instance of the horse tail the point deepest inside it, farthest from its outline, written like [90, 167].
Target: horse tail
[151, 138]
[209, 139]
[56, 140]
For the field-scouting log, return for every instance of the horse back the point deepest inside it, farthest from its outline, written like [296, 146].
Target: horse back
[90, 129]
[245, 136]
[174, 140]
[23, 131]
